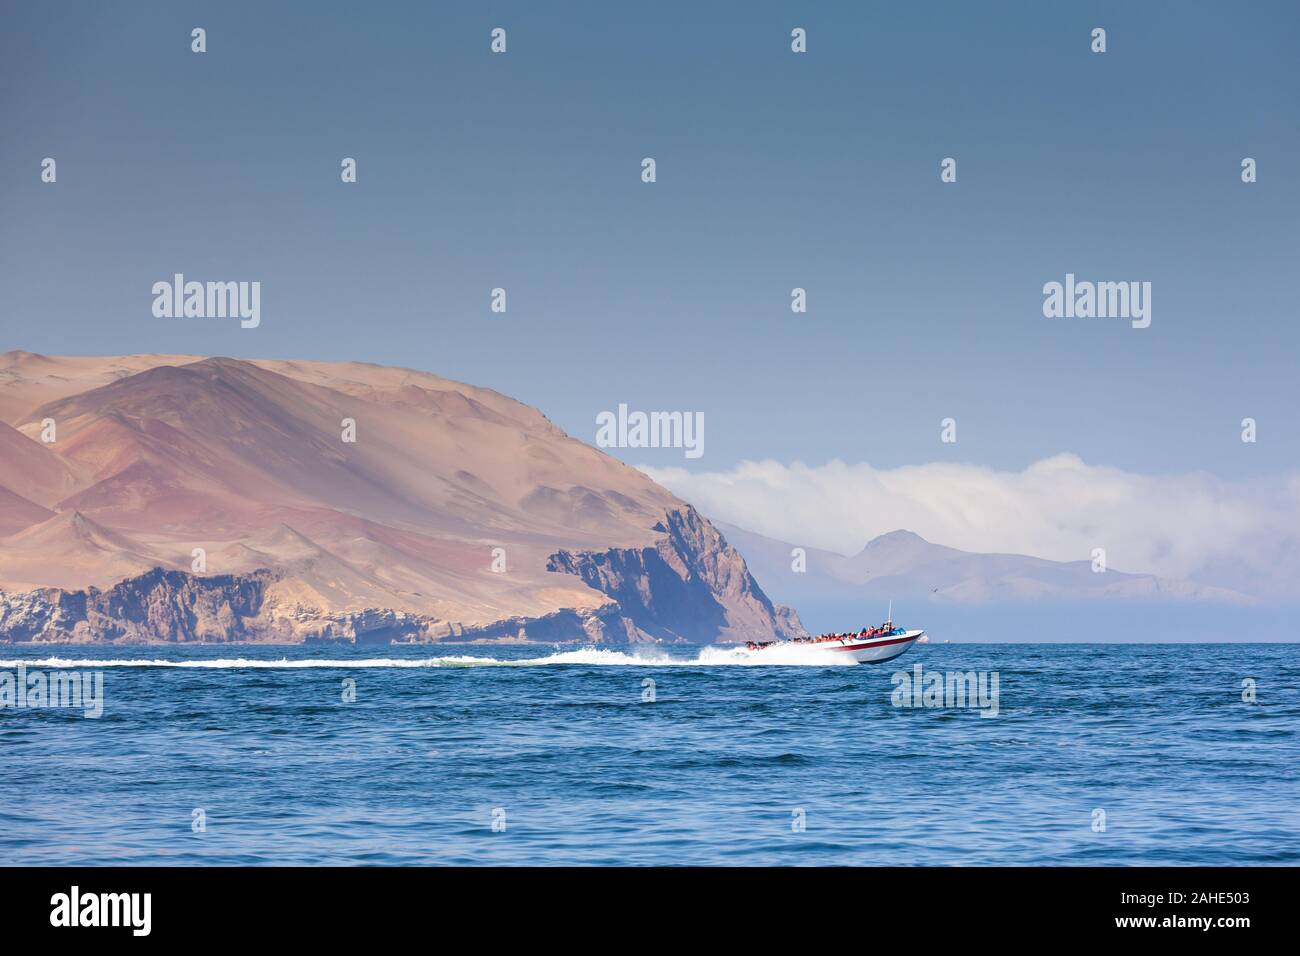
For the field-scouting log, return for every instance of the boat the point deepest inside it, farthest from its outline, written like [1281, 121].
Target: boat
[872, 645]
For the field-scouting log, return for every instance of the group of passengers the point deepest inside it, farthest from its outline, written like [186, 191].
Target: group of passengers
[846, 636]
[866, 632]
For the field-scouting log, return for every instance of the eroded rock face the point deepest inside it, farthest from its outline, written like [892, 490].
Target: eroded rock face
[155, 607]
[691, 586]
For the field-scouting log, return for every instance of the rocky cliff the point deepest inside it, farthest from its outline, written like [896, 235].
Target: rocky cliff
[690, 586]
[156, 606]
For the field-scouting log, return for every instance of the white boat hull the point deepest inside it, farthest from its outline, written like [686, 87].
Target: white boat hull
[870, 650]
[873, 650]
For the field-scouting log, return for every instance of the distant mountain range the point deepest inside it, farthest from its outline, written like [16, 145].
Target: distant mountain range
[904, 565]
[179, 498]
[963, 596]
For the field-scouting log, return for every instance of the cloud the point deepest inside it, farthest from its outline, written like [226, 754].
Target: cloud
[1192, 526]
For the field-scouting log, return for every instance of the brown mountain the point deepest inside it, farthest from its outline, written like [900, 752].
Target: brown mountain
[217, 499]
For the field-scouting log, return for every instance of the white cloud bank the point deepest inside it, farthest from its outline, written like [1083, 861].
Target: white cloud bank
[1236, 534]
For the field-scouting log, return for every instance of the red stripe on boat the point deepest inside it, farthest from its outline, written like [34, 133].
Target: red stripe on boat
[858, 647]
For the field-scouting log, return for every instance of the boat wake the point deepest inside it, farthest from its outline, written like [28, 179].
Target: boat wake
[793, 656]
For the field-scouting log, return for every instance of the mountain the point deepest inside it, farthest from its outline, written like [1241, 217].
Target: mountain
[31, 470]
[188, 498]
[905, 567]
[17, 513]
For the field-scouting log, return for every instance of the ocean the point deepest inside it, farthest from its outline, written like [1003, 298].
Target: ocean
[245, 755]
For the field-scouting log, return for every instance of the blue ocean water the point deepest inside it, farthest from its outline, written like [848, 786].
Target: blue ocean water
[732, 762]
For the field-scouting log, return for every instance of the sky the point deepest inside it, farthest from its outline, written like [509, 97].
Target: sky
[775, 170]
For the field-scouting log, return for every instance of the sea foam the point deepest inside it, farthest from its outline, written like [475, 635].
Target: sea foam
[787, 656]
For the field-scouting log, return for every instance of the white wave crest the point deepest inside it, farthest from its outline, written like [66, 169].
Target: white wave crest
[782, 656]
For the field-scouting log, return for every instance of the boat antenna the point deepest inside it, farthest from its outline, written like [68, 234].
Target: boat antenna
[890, 618]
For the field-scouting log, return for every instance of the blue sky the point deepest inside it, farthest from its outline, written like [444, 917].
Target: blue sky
[774, 171]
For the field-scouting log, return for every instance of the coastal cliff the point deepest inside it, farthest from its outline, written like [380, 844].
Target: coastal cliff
[690, 586]
[181, 499]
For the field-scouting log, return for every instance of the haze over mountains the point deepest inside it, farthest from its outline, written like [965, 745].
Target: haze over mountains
[903, 564]
[962, 595]
[456, 513]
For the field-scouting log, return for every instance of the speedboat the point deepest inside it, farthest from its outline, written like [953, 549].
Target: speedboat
[873, 645]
